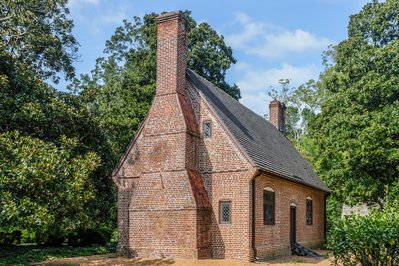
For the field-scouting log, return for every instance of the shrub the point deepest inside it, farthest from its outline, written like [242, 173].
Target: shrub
[367, 240]
[81, 238]
[10, 236]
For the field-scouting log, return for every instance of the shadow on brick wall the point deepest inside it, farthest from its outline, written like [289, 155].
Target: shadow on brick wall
[217, 244]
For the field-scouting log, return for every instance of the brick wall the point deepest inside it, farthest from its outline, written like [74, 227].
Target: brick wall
[274, 240]
[226, 173]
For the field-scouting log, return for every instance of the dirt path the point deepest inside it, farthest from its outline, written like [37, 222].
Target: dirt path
[113, 259]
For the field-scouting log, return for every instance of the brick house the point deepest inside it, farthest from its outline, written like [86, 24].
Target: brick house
[205, 177]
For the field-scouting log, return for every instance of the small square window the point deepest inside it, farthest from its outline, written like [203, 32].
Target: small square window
[207, 129]
[225, 212]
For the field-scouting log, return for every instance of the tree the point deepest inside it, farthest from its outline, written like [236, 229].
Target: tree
[357, 131]
[302, 104]
[44, 187]
[38, 35]
[39, 118]
[121, 87]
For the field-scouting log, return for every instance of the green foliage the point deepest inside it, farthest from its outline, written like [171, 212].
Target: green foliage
[44, 188]
[210, 57]
[31, 107]
[25, 255]
[367, 240]
[52, 123]
[120, 89]
[356, 134]
[86, 237]
[302, 104]
[10, 236]
[38, 35]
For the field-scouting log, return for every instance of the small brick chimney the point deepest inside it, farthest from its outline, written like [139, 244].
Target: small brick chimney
[277, 115]
[171, 53]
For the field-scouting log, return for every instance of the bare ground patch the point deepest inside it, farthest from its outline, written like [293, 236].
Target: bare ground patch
[113, 259]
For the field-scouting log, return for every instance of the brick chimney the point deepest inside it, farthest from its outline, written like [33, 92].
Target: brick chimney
[277, 115]
[171, 53]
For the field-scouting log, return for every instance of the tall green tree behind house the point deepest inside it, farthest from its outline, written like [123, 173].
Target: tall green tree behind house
[38, 34]
[357, 131]
[302, 104]
[50, 146]
[121, 87]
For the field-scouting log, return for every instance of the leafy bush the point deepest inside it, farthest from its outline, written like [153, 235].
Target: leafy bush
[10, 236]
[81, 238]
[44, 188]
[367, 240]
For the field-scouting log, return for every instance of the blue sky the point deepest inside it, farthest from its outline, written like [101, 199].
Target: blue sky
[270, 39]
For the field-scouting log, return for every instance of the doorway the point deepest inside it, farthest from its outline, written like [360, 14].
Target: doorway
[292, 224]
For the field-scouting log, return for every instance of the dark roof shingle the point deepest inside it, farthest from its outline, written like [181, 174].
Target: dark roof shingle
[264, 144]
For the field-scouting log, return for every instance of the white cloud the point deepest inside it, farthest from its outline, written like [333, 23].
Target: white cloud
[81, 3]
[254, 84]
[266, 40]
[251, 29]
[257, 102]
[114, 17]
[286, 42]
[255, 80]
[241, 66]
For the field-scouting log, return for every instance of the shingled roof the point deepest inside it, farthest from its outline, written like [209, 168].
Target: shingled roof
[264, 145]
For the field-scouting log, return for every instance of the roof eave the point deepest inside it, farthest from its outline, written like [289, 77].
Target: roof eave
[327, 191]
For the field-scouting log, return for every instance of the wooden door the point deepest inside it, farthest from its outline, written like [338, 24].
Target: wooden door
[292, 224]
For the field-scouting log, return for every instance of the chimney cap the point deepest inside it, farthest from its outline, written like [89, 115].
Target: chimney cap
[170, 16]
[275, 101]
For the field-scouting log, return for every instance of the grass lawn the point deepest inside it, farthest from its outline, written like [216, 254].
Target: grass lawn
[23, 255]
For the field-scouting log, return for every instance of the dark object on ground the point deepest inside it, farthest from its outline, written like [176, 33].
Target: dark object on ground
[300, 250]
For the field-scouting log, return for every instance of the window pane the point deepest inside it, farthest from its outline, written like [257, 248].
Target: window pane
[268, 207]
[309, 211]
[207, 129]
[225, 212]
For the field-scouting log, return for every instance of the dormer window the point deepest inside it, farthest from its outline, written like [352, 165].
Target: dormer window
[207, 129]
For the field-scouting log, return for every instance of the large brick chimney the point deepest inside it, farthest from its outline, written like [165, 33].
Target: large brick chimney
[167, 211]
[277, 115]
[171, 53]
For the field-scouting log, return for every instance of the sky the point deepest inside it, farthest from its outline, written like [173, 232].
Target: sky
[271, 39]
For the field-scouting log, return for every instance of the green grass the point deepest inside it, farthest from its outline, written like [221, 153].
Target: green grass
[24, 255]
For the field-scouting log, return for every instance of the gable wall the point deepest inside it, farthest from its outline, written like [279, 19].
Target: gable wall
[158, 215]
[226, 173]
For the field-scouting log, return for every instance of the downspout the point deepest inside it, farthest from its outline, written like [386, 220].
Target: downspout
[254, 215]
